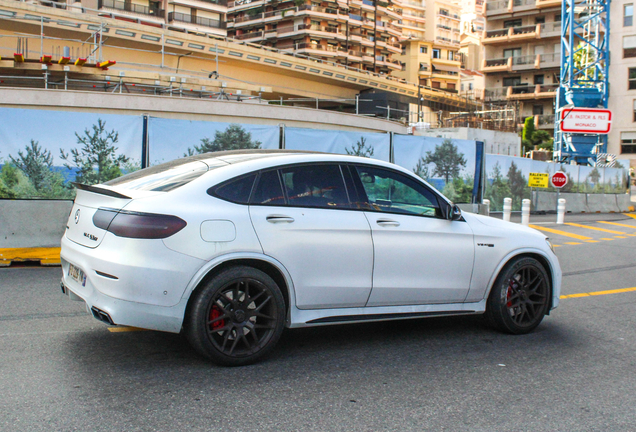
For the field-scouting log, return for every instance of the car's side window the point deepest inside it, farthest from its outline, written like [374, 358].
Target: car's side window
[268, 190]
[237, 190]
[392, 192]
[315, 186]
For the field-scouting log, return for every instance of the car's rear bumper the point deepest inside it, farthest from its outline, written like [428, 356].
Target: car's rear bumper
[141, 286]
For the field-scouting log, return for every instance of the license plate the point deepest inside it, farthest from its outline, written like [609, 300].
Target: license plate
[77, 274]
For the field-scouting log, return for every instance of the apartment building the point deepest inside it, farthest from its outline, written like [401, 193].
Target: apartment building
[194, 16]
[430, 44]
[362, 34]
[622, 73]
[522, 56]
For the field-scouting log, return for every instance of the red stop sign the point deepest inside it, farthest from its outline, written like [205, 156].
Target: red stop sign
[559, 179]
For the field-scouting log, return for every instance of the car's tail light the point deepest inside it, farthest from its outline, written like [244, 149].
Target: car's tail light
[137, 225]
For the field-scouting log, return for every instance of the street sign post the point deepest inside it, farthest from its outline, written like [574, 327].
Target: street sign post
[559, 179]
[585, 120]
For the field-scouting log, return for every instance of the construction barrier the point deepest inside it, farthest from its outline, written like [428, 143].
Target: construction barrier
[576, 202]
[544, 201]
[624, 203]
[602, 203]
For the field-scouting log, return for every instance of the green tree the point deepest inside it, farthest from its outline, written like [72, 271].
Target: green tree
[531, 137]
[459, 190]
[447, 159]
[360, 149]
[235, 137]
[594, 177]
[526, 134]
[97, 158]
[35, 163]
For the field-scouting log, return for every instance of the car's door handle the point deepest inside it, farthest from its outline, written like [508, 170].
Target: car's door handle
[387, 222]
[279, 218]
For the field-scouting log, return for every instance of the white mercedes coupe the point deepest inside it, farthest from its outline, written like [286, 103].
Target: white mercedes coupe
[231, 247]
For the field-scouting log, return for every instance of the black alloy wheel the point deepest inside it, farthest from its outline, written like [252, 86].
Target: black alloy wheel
[520, 297]
[237, 317]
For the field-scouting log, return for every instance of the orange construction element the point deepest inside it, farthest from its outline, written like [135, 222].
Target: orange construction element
[46, 59]
[80, 62]
[106, 64]
[18, 58]
[46, 256]
[64, 60]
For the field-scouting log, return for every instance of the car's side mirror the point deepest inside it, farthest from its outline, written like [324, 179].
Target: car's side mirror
[453, 213]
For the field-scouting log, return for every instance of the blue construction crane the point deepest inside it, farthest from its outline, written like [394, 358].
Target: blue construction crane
[585, 30]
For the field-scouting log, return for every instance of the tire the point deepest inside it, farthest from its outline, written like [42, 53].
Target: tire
[520, 297]
[237, 317]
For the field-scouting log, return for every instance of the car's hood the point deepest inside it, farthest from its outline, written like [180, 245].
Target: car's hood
[491, 224]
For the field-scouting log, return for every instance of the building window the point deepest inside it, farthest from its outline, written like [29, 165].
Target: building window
[436, 84]
[451, 55]
[423, 50]
[629, 46]
[628, 15]
[631, 79]
[539, 20]
[450, 86]
[537, 110]
[462, 86]
[538, 79]
[512, 23]
[512, 52]
[403, 50]
[436, 53]
[634, 110]
[628, 142]
[511, 81]
[557, 17]
[470, 86]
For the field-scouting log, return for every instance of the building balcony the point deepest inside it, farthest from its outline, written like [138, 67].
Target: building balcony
[497, 65]
[219, 6]
[532, 92]
[495, 94]
[547, 3]
[512, 34]
[546, 91]
[499, 7]
[525, 62]
[446, 41]
[448, 15]
[545, 121]
[550, 29]
[236, 5]
[194, 20]
[550, 60]
[131, 7]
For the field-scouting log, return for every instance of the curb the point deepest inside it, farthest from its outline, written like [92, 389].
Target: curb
[46, 256]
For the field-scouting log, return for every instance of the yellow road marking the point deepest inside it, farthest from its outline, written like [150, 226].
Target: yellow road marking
[591, 241]
[620, 237]
[630, 215]
[594, 228]
[607, 238]
[618, 224]
[597, 293]
[572, 243]
[125, 329]
[46, 256]
[562, 233]
[556, 245]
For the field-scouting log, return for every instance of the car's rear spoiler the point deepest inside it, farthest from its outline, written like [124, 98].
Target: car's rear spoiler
[100, 190]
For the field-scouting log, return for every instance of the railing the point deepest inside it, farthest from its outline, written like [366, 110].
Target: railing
[447, 15]
[423, 67]
[517, 3]
[524, 60]
[314, 27]
[547, 88]
[414, 14]
[522, 89]
[496, 33]
[252, 35]
[550, 58]
[496, 62]
[318, 47]
[524, 29]
[502, 4]
[550, 27]
[545, 120]
[493, 94]
[206, 22]
[131, 7]
[445, 27]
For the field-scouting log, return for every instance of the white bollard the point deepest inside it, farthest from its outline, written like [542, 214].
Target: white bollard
[525, 212]
[507, 208]
[561, 211]
[486, 204]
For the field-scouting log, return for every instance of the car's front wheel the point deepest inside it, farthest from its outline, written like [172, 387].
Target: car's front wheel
[237, 317]
[520, 297]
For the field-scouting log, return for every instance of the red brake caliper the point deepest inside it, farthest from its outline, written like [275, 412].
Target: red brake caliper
[215, 312]
[509, 293]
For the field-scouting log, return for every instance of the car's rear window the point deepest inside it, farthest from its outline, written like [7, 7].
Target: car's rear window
[163, 180]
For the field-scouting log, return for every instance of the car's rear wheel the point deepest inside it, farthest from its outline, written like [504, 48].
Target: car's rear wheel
[237, 317]
[520, 297]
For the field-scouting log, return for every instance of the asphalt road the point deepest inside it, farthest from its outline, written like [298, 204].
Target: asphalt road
[61, 370]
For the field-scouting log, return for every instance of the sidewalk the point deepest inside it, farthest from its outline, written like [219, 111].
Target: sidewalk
[569, 217]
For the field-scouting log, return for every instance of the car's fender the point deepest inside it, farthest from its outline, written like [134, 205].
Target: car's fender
[219, 260]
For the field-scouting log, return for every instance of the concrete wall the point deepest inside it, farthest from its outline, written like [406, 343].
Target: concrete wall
[194, 109]
[35, 223]
[495, 142]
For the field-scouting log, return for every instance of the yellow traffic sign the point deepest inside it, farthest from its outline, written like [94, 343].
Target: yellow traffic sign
[539, 180]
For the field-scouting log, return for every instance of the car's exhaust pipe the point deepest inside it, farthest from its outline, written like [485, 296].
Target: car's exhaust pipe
[102, 316]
